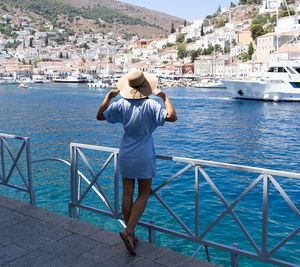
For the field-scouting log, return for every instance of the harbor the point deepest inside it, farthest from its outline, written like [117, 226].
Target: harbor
[224, 139]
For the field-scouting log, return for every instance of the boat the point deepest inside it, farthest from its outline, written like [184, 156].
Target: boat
[99, 84]
[280, 83]
[23, 85]
[72, 79]
[210, 84]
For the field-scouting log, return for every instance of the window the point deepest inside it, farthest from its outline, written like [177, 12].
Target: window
[290, 70]
[278, 69]
[297, 69]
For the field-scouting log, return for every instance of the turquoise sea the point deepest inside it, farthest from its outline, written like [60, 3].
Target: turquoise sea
[211, 126]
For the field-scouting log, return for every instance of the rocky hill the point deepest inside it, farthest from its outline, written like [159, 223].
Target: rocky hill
[95, 15]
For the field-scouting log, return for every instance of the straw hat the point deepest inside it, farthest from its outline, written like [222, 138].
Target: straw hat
[137, 84]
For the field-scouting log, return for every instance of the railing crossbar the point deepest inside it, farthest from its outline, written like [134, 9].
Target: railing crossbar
[246, 191]
[240, 224]
[96, 177]
[14, 160]
[14, 165]
[173, 214]
[197, 251]
[285, 196]
[173, 177]
[231, 166]
[15, 187]
[103, 196]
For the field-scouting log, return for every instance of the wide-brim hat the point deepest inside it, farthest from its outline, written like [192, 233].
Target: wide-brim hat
[137, 84]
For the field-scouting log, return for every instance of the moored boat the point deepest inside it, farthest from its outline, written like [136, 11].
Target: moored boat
[72, 79]
[280, 83]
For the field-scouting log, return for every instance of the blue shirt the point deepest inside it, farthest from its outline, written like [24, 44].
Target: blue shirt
[140, 117]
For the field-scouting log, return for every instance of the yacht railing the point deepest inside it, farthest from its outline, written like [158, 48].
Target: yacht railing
[266, 176]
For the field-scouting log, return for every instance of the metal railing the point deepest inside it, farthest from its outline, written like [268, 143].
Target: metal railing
[79, 193]
[5, 177]
[265, 175]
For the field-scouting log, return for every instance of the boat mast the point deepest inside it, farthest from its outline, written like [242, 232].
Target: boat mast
[277, 32]
[230, 40]
[114, 49]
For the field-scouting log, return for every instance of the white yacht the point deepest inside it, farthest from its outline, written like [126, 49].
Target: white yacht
[72, 79]
[280, 83]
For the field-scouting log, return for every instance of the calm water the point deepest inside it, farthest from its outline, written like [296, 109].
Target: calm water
[210, 126]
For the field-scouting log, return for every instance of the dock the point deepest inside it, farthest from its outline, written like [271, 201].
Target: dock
[32, 236]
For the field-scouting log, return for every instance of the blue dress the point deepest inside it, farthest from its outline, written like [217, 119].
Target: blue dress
[139, 117]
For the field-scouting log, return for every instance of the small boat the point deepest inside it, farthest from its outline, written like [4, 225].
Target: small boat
[23, 85]
[72, 79]
[98, 84]
[280, 83]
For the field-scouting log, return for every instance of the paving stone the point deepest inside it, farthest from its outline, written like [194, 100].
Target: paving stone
[68, 247]
[10, 253]
[12, 221]
[48, 216]
[99, 253]
[35, 258]
[150, 251]
[32, 234]
[121, 258]
[175, 259]
[106, 237]
[145, 263]
[81, 228]
[193, 262]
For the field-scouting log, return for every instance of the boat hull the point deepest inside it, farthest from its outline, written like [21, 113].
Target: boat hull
[263, 90]
[66, 81]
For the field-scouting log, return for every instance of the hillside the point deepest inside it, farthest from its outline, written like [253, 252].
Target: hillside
[150, 16]
[95, 16]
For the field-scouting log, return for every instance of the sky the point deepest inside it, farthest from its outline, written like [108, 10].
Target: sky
[185, 9]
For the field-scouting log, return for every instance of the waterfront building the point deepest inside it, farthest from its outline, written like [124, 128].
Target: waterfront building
[266, 44]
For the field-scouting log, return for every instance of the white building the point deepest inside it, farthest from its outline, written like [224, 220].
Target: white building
[269, 6]
[288, 24]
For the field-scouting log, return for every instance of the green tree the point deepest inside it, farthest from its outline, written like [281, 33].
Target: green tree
[250, 51]
[46, 41]
[194, 54]
[172, 28]
[256, 30]
[180, 39]
[219, 9]
[202, 31]
[31, 42]
[181, 52]
[184, 23]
